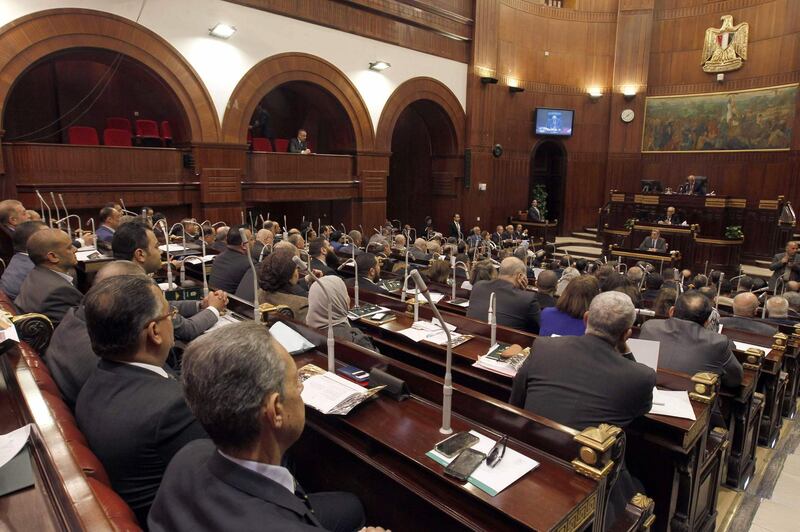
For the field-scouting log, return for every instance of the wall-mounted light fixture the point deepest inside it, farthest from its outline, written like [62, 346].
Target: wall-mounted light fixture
[629, 92]
[222, 31]
[514, 86]
[595, 93]
[379, 66]
[489, 80]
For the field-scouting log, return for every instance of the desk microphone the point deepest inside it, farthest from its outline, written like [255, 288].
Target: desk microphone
[53, 197]
[243, 235]
[285, 229]
[493, 319]
[719, 289]
[331, 358]
[170, 284]
[202, 260]
[447, 400]
[66, 215]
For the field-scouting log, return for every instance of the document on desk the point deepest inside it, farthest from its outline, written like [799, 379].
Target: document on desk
[744, 346]
[435, 296]
[88, 254]
[291, 340]
[494, 362]
[672, 403]
[330, 393]
[492, 480]
[226, 319]
[645, 352]
[13, 442]
[433, 333]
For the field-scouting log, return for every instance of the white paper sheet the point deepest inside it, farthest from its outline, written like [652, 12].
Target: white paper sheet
[83, 256]
[173, 248]
[223, 321]
[290, 339]
[9, 333]
[13, 442]
[435, 296]
[744, 346]
[645, 351]
[324, 392]
[495, 479]
[672, 403]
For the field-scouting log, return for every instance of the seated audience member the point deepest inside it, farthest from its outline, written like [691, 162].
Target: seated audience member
[419, 251]
[434, 248]
[438, 271]
[654, 242]
[567, 276]
[296, 239]
[566, 318]
[785, 266]
[632, 292]
[262, 245]
[20, 264]
[613, 281]
[687, 346]
[136, 242]
[794, 300]
[778, 310]
[745, 311]
[277, 279]
[12, 214]
[712, 324]
[220, 238]
[317, 316]
[230, 265]
[634, 275]
[49, 288]
[474, 239]
[670, 218]
[244, 389]
[546, 285]
[354, 242]
[318, 251]
[110, 220]
[583, 381]
[483, 270]
[516, 306]
[33, 216]
[724, 297]
[793, 286]
[652, 286]
[131, 409]
[498, 235]
[298, 144]
[508, 234]
[744, 284]
[581, 265]
[69, 356]
[399, 243]
[369, 273]
[665, 300]
[698, 281]
[520, 233]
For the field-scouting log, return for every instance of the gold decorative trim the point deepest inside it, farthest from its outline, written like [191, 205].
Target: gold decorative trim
[618, 232]
[718, 241]
[619, 198]
[737, 203]
[647, 199]
[575, 15]
[779, 341]
[716, 203]
[639, 255]
[663, 228]
[579, 516]
[754, 357]
[769, 205]
[704, 387]
[642, 501]
[594, 458]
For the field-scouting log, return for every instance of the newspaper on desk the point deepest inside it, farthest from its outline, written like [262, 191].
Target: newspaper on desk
[432, 332]
[330, 393]
[492, 480]
[435, 296]
[494, 362]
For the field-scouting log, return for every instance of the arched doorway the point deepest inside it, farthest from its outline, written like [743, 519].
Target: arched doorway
[84, 87]
[548, 168]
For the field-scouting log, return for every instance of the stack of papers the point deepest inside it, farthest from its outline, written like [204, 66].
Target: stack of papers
[291, 340]
[435, 296]
[330, 393]
[492, 361]
[367, 309]
[228, 318]
[744, 346]
[173, 248]
[89, 254]
[672, 403]
[495, 479]
[432, 332]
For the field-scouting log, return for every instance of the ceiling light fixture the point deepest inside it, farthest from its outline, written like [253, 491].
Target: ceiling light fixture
[379, 66]
[222, 31]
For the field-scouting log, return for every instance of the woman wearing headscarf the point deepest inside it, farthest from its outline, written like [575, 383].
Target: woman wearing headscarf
[277, 279]
[317, 316]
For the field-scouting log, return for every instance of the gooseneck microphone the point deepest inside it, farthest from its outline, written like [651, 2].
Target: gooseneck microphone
[256, 312]
[330, 342]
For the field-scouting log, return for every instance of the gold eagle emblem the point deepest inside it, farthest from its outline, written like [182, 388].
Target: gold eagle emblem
[725, 48]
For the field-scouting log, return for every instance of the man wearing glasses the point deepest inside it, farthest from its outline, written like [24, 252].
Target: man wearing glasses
[132, 409]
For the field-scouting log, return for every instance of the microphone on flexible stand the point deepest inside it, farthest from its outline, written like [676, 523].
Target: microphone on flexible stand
[58, 214]
[256, 312]
[203, 259]
[93, 231]
[241, 214]
[493, 319]
[42, 205]
[170, 284]
[719, 288]
[331, 358]
[66, 215]
[447, 393]
[285, 229]
[122, 204]
[69, 230]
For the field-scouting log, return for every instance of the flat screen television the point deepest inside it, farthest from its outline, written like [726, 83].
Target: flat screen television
[556, 122]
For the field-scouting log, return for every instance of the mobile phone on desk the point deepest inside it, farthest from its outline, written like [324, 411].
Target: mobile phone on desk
[464, 464]
[354, 373]
[456, 443]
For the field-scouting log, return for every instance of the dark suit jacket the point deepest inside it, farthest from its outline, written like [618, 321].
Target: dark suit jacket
[659, 244]
[778, 268]
[191, 322]
[69, 356]
[17, 270]
[227, 270]
[364, 284]
[295, 146]
[104, 234]
[545, 300]
[752, 325]
[582, 381]
[690, 348]
[317, 264]
[418, 254]
[202, 490]
[534, 214]
[675, 220]
[135, 421]
[515, 308]
[454, 230]
[46, 292]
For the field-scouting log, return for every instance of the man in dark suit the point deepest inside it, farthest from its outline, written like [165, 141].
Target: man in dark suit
[131, 409]
[534, 214]
[369, 273]
[419, 251]
[220, 237]
[785, 266]
[299, 144]
[652, 285]
[546, 286]
[745, 311]
[69, 356]
[654, 242]
[583, 381]
[318, 250]
[671, 218]
[21, 264]
[244, 389]
[137, 243]
[455, 227]
[230, 265]
[263, 245]
[497, 236]
[109, 222]
[687, 346]
[516, 306]
[694, 186]
[49, 288]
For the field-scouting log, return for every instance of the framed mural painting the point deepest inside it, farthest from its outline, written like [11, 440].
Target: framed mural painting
[747, 120]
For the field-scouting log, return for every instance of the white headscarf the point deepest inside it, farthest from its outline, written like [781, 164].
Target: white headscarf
[317, 316]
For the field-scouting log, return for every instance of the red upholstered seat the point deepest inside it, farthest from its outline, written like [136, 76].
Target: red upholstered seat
[88, 462]
[261, 144]
[117, 137]
[43, 379]
[118, 512]
[116, 122]
[82, 135]
[64, 418]
[282, 145]
[166, 133]
[147, 133]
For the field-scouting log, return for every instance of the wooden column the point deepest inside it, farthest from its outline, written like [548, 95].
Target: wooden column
[372, 169]
[220, 169]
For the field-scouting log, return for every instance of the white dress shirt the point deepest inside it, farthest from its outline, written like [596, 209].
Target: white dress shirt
[278, 474]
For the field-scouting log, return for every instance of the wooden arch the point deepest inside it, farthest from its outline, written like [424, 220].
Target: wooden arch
[417, 89]
[28, 39]
[294, 66]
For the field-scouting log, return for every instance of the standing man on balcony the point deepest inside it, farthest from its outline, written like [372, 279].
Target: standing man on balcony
[298, 144]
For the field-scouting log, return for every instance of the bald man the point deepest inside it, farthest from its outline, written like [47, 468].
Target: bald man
[517, 307]
[49, 288]
[69, 356]
[745, 312]
[12, 213]
[264, 239]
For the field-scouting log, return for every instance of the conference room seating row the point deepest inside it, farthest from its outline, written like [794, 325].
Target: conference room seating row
[118, 133]
[72, 489]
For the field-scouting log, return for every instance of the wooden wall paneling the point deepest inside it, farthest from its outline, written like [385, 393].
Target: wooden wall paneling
[220, 169]
[372, 171]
